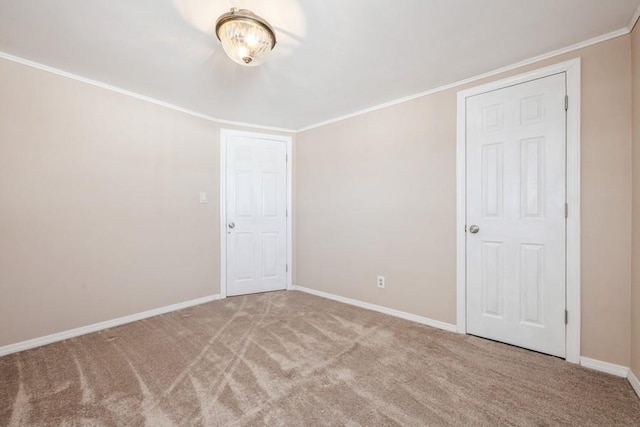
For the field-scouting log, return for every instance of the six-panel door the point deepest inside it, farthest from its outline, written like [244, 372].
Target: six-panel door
[256, 187]
[516, 151]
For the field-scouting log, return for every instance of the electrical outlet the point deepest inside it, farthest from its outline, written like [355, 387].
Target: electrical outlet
[381, 281]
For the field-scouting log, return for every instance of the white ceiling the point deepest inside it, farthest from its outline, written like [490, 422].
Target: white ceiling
[333, 57]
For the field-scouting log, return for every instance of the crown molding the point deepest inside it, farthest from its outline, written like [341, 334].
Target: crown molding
[605, 37]
[581, 45]
[39, 66]
[634, 19]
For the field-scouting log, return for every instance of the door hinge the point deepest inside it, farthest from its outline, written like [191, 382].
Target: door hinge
[287, 213]
[566, 102]
[566, 317]
[286, 158]
[566, 210]
[286, 268]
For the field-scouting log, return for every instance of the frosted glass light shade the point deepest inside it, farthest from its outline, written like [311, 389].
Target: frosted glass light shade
[246, 38]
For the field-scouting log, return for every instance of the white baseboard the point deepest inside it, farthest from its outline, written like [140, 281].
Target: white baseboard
[48, 339]
[609, 368]
[633, 380]
[385, 310]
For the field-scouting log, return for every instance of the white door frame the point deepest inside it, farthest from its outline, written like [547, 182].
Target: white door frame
[224, 135]
[572, 69]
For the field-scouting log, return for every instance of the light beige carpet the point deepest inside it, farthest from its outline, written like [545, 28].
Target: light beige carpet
[292, 359]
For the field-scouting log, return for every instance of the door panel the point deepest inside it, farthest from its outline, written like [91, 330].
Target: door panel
[532, 283]
[516, 151]
[532, 170]
[256, 215]
[492, 279]
[492, 174]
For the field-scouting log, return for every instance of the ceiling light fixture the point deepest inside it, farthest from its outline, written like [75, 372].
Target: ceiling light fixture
[246, 38]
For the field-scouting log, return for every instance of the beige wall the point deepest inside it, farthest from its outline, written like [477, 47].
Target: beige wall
[99, 210]
[635, 284]
[377, 196]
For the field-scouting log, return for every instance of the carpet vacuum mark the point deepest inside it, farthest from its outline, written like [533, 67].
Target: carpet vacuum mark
[293, 359]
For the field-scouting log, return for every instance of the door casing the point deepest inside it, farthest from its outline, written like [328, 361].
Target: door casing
[224, 136]
[572, 70]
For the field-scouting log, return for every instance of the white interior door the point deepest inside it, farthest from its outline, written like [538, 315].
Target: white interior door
[256, 214]
[516, 195]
